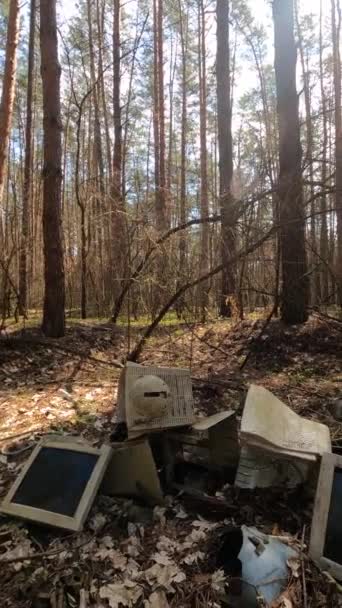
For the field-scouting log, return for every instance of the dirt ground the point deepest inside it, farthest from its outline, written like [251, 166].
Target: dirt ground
[69, 386]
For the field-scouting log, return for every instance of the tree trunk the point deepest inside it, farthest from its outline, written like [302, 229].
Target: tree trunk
[225, 142]
[295, 285]
[313, 260]
[54, 301]
[82, 208]
[100, 194]
[118, 220]
[158, 210]
[161, 101]
[8, 92]
[100, 16]
[158, 116]
[324, 241]
[170, 164]
[94, 84]
[25, 222]
[117, 157]
[203, 295]
[183, 205]
[336, 33]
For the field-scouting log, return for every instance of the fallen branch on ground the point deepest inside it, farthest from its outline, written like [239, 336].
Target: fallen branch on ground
[239, 208]
[136, 352]
[34, 556]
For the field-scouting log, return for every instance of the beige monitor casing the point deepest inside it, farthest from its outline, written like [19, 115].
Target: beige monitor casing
[321, 515]
[178, 410]
[50, 518]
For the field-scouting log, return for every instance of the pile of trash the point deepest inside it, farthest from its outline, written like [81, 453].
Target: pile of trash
[159, 450]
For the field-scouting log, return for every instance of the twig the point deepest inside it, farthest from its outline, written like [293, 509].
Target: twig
[322, 315]
[204, 341]
[17, 452]
[44, 554]
[332, 581]
[305, 594]
[261, 333]
[135, 353]
[10, 437]
[83, 598]
[64, 349]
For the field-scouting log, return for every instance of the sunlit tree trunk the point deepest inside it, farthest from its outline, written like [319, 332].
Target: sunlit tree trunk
[25, 222]
[202, 293]
[100, 17]
[171, 87]
[224, 128]
[118, 220]
[161, 101]
[324, 241]
[159, 115]
[336, 33]
[156, 119]
[8, 93]
[99, 165]
[54, 301]
[183, 16]
[295, 285]
[315, 277]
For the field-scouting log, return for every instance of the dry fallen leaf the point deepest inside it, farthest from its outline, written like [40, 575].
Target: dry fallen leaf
[157, 600]
[164, 576]
[121, 594]
[193, 558]
[163, 559]
[180, 513]
[283, 601]
[218, 581]
[168, 545]
[203, 524]
[21, 550]
[133, 546]
[159, 515]
[295, 566]
[118, 560]
[84, 598]
[276, 530]
[195, 537]
[107, 541]
[97, 522]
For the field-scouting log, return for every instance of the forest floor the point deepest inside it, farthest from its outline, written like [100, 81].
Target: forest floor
[70, 386]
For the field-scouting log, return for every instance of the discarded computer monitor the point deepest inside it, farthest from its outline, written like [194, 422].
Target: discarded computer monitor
[217, 434]
[132, 472]
[278, 447]
[326, 529]
[154, 399]
[210, 444]
[58, 484]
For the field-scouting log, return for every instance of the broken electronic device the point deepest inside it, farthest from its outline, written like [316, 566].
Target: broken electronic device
[154, 399]
[132, 472]
[326, 528]
[58, 484]
[278, 447]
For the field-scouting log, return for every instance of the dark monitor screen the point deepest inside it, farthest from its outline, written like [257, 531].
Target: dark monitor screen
[333, 539]
[56, 480]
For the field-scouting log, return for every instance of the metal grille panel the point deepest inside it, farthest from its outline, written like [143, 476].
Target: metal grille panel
[181, 408]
